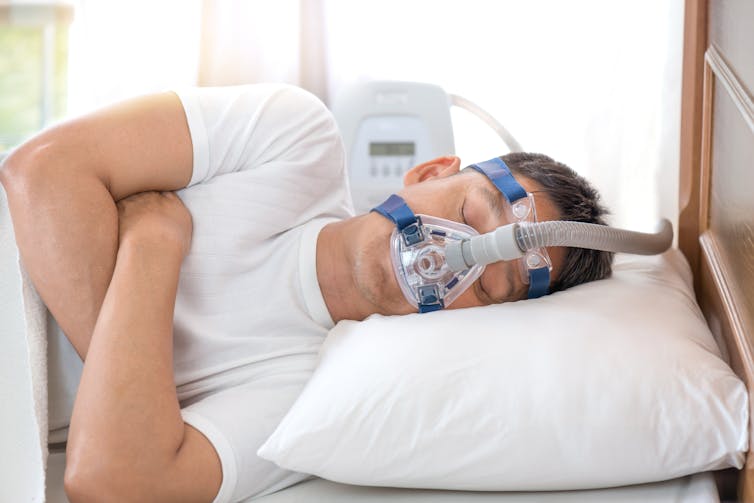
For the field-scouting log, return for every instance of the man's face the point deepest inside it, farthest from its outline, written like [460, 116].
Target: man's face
[469, 198]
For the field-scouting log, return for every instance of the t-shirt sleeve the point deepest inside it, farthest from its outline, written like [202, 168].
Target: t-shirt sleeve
[282, 131]
[238, 420]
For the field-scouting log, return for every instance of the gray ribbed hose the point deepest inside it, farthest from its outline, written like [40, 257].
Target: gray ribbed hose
[512, 241]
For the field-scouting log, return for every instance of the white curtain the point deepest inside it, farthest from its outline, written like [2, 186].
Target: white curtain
[591, 83]
[594, 84]
[263, 41]
[120, 49]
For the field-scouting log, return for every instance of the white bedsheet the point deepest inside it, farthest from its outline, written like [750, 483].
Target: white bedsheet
[698, 488]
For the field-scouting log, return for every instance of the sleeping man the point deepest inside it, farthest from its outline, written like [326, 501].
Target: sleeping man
[196, 248]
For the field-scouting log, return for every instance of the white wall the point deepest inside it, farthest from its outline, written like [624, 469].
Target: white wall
[594, 84]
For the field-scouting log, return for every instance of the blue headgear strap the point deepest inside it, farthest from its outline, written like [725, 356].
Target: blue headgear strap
[410, 227]
[499, 174]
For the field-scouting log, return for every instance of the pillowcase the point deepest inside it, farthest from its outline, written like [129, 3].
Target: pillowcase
[610, 383]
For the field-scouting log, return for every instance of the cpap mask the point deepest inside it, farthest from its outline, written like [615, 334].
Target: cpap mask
[436, 260]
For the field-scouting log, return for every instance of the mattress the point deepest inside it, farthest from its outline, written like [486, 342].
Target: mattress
[697, 488]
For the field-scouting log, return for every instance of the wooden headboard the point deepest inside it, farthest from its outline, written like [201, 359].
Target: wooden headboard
[716, 222]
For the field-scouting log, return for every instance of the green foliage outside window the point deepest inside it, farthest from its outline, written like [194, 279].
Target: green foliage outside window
[33, 69]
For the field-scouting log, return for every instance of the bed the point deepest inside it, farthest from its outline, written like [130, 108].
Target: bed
[715, 235]
[716, 224]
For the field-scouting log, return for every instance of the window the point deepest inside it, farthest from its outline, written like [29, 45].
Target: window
[33, 67]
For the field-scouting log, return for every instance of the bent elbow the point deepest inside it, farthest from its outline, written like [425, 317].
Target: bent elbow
[91, 477]
[25, 165]
[80, 487]
[9, 168]
[94, 484]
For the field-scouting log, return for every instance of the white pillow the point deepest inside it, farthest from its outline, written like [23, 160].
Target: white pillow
[610, 383]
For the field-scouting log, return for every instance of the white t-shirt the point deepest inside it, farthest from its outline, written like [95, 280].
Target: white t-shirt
[269, 173]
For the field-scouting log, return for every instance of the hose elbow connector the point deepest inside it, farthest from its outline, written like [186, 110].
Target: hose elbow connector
[495, 246]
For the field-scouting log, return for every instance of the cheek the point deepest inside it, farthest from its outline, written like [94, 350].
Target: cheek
[479, 216]
[502, 281]
[496, 282]
[375, 278]
[466, 299]
[369, 269]
[470, 298]
[473, 216]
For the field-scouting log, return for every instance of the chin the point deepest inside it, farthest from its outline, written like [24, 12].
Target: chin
[374, 276]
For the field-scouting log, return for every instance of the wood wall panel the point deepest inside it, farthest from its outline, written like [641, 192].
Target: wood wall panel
[725, 277]
[731, 196]
[716, 220]
[731, 31]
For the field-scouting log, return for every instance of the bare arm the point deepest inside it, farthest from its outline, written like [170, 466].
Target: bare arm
[127, 440]
[62, 186]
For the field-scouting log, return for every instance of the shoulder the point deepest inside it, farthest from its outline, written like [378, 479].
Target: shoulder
[244, 127]
[250, 98]
[256, 112]
[291, 104]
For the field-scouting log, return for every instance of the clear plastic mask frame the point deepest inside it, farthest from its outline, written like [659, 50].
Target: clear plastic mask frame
[420, 265]
[525, 210]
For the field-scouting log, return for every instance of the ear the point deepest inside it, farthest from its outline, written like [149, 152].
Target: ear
[436, 168]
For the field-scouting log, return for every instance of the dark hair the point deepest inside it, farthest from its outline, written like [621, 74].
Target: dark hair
[577, 201]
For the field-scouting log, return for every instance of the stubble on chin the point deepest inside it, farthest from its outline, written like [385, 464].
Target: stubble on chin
[375, 279]
[370, 277]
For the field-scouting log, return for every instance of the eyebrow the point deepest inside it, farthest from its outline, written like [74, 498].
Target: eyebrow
[494, 199]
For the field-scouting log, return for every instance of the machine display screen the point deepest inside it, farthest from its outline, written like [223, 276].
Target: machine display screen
[391, 149]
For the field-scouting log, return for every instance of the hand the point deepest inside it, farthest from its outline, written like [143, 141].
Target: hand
[157, 217]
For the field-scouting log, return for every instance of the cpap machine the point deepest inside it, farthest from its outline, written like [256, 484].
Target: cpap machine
[388, 127]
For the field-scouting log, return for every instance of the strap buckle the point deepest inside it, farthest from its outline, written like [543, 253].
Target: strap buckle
[429, 299]
[412, 233]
